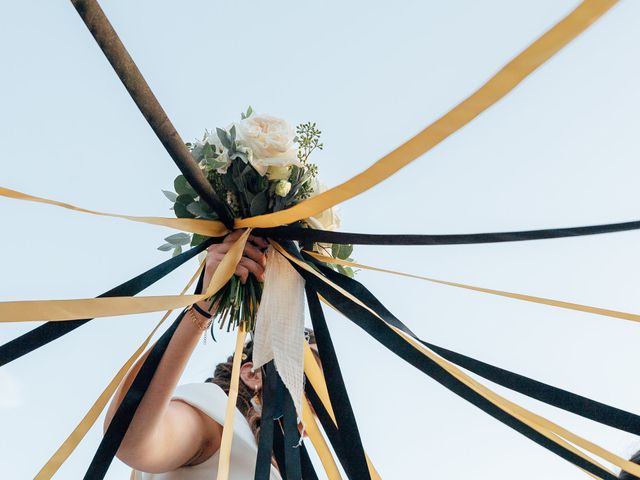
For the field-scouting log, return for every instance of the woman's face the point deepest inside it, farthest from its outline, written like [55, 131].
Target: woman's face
[253, 380]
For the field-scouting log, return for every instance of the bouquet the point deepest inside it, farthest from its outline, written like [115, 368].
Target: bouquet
[257, 165]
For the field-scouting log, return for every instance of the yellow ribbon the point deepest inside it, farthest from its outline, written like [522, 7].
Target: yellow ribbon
[319, 443]
[517, 296]
[493, 90]
[540, 424]
[62, 310]
[230, 415]
[315, 376]
[209, 228]
[72, 441]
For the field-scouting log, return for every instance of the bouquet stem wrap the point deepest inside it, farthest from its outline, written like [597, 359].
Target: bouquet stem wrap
[279, 331]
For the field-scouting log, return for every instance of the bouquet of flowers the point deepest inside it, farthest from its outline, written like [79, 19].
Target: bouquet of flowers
[257, 165]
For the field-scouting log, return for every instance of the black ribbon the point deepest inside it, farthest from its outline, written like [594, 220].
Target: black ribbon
[327, 424]
[325, 236]
[293, 465]
[51, 331]
[375, 327]
[571, 402]
[349, 435]
[265, 441]
[126, 410]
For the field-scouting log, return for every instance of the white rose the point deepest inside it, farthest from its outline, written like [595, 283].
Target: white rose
[271, 141]
[327, 219]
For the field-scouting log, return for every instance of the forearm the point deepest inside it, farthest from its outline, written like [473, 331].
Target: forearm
[146, 425]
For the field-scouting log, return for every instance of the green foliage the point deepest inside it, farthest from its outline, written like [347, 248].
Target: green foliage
[170, 195]
[183, 187]
[178, 239]
[226, 163]
[247, 114]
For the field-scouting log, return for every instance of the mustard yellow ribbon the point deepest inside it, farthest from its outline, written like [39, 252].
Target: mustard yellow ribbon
[517, 296]
[316, 377]
[319, 443]
[72, 441]
[547, 428]
[230, 415]
[209, 228]
[62, 310]
[493, 90]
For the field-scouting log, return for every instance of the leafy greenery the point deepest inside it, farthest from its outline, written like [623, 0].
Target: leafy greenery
[227, 164]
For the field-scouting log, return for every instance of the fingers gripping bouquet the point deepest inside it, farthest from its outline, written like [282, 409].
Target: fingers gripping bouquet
[257, 165]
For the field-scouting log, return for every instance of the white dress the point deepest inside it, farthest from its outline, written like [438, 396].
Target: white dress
[210, 399]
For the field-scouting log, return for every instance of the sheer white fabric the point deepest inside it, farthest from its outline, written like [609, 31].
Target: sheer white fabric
[211, 400]
[279, 334]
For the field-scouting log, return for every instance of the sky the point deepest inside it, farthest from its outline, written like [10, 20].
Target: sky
[561, 150]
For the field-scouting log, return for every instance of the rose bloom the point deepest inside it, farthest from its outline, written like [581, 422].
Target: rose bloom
[271, 141]
[327, 219]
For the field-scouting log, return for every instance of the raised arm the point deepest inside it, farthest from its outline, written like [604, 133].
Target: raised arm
[166, 434]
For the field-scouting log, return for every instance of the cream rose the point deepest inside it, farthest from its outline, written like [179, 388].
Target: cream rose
[327, 219]
[271, 141]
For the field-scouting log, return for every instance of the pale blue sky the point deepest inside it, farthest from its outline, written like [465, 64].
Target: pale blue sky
[561, 150]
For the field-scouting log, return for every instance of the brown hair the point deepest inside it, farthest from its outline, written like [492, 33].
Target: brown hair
[222, 378]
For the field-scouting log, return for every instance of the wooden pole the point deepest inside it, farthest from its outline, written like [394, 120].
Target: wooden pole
[126, 69]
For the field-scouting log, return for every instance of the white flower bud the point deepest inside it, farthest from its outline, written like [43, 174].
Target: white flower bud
[282, 188]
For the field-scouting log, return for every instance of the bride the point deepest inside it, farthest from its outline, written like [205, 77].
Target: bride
[176, 432]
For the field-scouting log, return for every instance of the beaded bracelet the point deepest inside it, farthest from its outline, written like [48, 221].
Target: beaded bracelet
[198, 322]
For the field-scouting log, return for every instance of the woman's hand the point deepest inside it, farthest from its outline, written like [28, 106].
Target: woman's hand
[253, 259]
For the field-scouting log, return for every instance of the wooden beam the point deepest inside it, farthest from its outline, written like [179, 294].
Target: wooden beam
[126, 69]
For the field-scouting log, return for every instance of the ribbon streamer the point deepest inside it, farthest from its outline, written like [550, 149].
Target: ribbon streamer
[50, 331]
[63, 310]
[229, 418]
[350, 436]
[493, 90]
[528, 427]
[517, 296]
[209, 228]
[279, 332]
[72, 441]
[517, 417]
[577, 404]
[328, 236]
[314, 374]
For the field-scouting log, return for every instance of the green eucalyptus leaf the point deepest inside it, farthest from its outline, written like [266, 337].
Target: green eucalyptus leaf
[215, 164]
[196, 151]
[177, 251]
[197, 239]
[208, 150]
[196, 209]
[181, 211]
[232, 133]
[183, 187]
[341, 251]
[170, 195]
[259, 204]
[179, 238]
[184, 199]
[166, 247]
[224, 138]
[346, 251]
